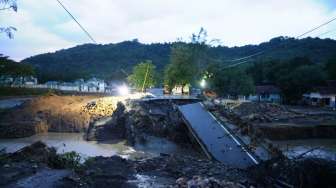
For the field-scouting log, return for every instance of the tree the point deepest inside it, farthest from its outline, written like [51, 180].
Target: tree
[7, 5]
[300, 80]
[143, 75]
[294, 76]
[233, 82]
[331, 69]
[182, 70]
[9, 67]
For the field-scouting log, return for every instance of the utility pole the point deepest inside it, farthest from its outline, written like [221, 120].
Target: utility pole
[143, 85]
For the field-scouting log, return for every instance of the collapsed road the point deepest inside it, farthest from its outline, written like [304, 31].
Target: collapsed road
[214, 138]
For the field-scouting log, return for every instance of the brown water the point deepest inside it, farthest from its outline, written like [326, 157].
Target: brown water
[65, 142]
[321, 148]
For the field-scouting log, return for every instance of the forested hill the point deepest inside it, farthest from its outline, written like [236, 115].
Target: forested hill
[113, 61]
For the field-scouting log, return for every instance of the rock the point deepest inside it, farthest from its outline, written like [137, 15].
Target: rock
[182, 182]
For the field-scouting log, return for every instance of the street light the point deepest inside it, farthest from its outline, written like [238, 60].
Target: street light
[203, 83]
[123, 90]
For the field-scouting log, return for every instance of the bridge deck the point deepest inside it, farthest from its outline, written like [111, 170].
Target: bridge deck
[214, 137]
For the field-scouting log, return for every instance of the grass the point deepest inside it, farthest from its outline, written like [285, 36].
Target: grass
[9, 91]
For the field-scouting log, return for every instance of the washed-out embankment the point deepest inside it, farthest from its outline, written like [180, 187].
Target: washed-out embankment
[45, 114]
[132, 120]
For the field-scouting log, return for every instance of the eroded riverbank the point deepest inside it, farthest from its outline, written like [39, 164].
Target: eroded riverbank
[67, 142]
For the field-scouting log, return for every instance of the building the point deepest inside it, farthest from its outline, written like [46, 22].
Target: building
[83, 87]
[96, 85]
[322, 96]
[66, 86]
[6, 80]
[19, 81]
[29, 80]
[52, 85]
[266, 93]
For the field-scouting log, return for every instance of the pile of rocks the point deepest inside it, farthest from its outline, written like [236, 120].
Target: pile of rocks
[263, 112]
[198, 181]
[178, 166]
[102, 107]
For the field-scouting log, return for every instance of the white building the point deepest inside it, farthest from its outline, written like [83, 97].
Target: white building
[19, 81]
[266, 93]
[52, 85]
[6, 80]
[322, 96]
[29, 80]
[68, 87]
[96, 85]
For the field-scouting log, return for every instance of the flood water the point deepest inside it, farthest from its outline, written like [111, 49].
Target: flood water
[66, 142]
[321, 148]
[13, 102]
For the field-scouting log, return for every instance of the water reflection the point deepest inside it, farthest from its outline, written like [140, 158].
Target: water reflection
[321, 148]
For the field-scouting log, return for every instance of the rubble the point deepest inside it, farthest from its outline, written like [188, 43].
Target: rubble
[136, 119]
[263, 112]
[38, 162]
[101, 107]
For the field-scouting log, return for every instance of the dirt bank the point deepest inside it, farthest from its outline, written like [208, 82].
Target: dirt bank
[46, 113]
[257, 124]
[275, 121]
[40, 165]
[136, 119]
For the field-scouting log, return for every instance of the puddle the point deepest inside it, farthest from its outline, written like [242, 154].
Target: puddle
[11, 103]
[321, 148]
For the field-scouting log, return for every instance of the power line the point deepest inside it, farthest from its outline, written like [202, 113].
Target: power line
[263, 51]
[316, 28]
[330, 31]
[85, 31]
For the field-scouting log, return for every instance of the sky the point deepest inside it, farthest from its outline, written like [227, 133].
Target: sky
[43, 26]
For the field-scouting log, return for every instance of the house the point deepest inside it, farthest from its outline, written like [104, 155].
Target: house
[96, 85]
[266, 93]
[66, 86]
[322, 96]
[24, 81]
[29, 80]
[6, 80]
[178, 90]
[83, 87]
[52, 84]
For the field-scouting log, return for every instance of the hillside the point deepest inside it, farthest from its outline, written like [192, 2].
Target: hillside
[112, 61]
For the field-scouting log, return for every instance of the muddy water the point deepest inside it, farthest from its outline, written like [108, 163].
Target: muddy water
[321, 148]
[13, 102]
[65, 142]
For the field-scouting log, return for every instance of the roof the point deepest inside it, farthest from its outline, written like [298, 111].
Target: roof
[272, 89]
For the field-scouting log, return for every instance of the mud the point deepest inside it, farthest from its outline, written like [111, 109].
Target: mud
[39, 164]
[138, 119]
[43, 114]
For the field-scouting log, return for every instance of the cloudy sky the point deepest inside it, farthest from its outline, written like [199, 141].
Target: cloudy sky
[43, 26]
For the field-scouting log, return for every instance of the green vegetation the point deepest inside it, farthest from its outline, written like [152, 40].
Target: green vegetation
[14, 69]
[70, 160]
[143, 75]
[182, 70]
[111, 60]
[294, 77]
[187, 61]
[233, 82]
[331, 69]
[12, 91]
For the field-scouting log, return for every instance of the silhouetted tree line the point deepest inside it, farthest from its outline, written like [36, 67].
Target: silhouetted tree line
[115, 61]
